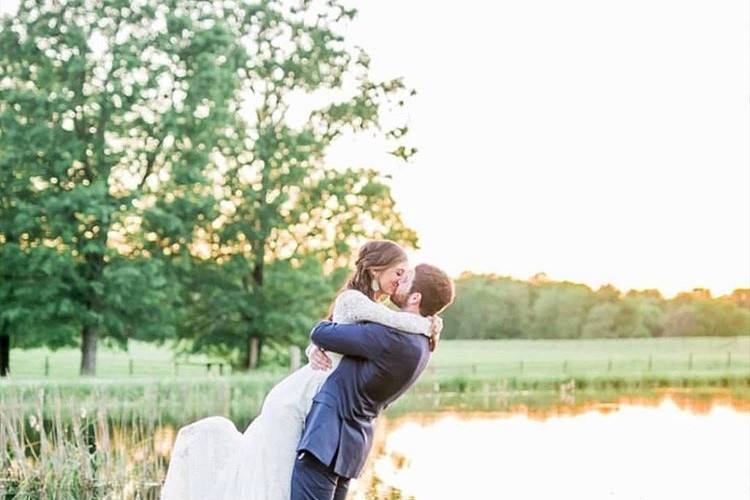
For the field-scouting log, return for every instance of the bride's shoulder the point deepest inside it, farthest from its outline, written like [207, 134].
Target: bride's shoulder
[350, 305]
[351, 297]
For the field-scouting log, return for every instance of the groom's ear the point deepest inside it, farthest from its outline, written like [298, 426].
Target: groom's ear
[414, 299]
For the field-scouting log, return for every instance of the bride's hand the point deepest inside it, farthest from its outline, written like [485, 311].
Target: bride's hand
[319, 360]
[436, 327]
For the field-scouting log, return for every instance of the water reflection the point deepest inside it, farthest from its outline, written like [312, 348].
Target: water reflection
[634, 448]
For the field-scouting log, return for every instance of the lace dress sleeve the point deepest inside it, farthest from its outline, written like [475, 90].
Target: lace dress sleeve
[352, 306]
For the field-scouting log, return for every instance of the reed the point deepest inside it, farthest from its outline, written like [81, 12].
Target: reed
[107, 439]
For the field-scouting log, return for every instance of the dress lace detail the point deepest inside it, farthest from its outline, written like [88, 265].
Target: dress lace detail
[212, 460]
[353, 306]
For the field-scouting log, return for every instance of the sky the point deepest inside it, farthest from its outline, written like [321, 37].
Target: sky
[596, 141]
[592, 140]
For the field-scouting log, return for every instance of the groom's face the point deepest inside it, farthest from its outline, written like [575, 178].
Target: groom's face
[401, 294]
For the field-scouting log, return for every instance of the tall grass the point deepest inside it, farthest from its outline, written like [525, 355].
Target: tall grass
[107, 439]
[75, 454]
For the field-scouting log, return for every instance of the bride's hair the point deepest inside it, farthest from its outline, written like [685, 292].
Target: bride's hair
[374, 256]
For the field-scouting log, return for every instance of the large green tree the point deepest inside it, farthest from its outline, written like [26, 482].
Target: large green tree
[105, 107]
[278, 205]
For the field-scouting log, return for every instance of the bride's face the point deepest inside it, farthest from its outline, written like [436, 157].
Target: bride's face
[401, 295]
[389, 278]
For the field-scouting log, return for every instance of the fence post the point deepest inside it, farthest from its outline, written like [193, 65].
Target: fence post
[650, 363]
[208, 367]
[609, 365]
[729, 359]
[521, 366]
[176, 369]
[473, 368]
[46, 366]
[565, 366]
[130, 367]
[690, 361]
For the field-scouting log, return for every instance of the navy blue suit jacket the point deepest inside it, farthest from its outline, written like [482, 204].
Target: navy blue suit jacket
[379, 365]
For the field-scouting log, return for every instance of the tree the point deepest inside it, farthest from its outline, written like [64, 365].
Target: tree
[640, 316]
[601, 321]
[488, 307]
[740, 297]
[607, 293]
[278, 204]
[559, 309]
[33, 293]
[106, 106]
[680, 320]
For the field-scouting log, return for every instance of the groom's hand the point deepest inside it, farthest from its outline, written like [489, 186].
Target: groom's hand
[319, 360]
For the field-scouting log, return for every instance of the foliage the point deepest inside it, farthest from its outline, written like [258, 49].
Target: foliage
[277, 206]
[149, 146]
[497, 307]
[103, 106]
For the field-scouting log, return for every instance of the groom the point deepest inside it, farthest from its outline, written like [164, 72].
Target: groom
[379, 365]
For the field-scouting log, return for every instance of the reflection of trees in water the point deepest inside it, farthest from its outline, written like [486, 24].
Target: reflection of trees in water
[566, 401]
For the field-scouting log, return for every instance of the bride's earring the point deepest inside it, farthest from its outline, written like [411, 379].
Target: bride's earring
[375, 285]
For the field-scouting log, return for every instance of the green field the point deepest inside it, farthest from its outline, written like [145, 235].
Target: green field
[147, 360]
[706, 356]
[595, 356]
[459, 369]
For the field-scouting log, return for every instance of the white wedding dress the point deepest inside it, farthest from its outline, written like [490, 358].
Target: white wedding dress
[212, 460]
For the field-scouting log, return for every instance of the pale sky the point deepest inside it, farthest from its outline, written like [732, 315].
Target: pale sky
[596, 141]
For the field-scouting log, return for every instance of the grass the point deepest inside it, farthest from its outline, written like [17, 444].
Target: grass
[459, 367]
[108, 438]
[726, 356]
[594, 355]
[147, 360]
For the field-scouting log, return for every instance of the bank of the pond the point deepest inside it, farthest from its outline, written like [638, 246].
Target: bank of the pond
[239, 397]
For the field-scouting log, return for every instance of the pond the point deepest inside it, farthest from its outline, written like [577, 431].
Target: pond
[671, 447]
[663, 444]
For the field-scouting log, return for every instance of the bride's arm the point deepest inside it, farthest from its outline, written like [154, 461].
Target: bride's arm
[352, 306]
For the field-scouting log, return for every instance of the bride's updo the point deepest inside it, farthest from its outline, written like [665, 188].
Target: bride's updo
[374, 256]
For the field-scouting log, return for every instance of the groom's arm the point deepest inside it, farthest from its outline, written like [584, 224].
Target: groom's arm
[357, 339]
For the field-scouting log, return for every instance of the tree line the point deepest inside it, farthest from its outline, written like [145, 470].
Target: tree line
[496, 307]
[158, 181]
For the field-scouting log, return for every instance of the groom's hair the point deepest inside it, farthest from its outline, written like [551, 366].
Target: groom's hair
[436, 288]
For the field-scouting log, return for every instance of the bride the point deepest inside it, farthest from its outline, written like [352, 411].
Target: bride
[212, 460]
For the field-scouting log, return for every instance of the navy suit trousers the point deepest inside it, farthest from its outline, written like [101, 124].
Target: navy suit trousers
[313, 480]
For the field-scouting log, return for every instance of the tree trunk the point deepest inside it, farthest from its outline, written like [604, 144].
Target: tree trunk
[88, 351]
[93, 270]
[253, 351]
[254, 343]
[4, 355]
